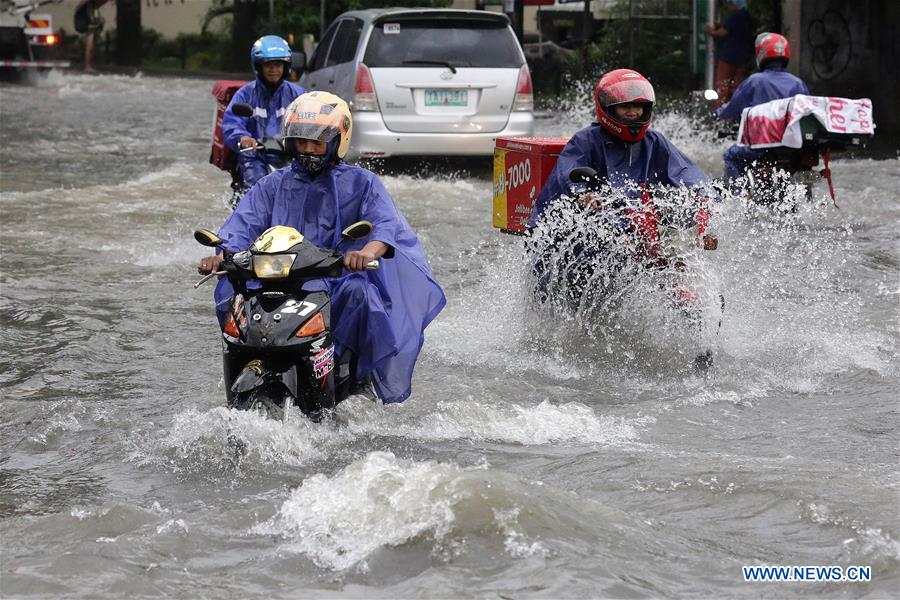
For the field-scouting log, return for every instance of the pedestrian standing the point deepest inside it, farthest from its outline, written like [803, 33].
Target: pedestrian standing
[735, 34]
[89, 22]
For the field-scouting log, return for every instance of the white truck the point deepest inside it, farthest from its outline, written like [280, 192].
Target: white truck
[27, 38]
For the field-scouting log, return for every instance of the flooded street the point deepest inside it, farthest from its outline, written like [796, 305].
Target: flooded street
[534, 458]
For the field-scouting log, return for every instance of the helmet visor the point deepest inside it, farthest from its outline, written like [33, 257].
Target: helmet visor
[620, 92]
[320, 132]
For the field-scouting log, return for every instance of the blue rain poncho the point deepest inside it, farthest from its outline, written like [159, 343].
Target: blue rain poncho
[773, 83]
[380, 315]
[653, 160]
[268, 108]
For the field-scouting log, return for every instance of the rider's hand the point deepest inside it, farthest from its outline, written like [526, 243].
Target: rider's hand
[356, 260]
[209, 264]
[591, 199]
[710, 242]
[247, 142]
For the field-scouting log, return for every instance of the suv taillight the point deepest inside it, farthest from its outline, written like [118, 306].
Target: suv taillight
[524, 100]
[364, 94]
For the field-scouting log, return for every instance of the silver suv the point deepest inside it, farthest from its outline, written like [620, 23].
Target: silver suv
[425, 81]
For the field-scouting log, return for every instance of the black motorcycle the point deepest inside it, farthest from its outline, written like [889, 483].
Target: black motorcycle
[278, 350]
[270, 150]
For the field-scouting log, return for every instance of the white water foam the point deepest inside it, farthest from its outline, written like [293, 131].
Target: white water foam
[382, 501]
[226, 440]
[469, 419]
[869, 543]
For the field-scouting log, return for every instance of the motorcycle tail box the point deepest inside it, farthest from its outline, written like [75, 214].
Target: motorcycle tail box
[808, 122]
[816, 136]
[222, 156]
[521, 167]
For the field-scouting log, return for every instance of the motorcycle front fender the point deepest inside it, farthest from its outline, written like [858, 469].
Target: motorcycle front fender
[251, 376]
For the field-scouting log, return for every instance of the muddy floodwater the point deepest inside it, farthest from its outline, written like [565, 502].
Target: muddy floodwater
[537, 457]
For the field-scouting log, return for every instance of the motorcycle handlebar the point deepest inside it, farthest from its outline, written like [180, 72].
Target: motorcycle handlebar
[208, 277]
[267, 145]
[371, 266]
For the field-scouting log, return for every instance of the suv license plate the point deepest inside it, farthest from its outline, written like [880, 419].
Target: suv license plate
[446, 97]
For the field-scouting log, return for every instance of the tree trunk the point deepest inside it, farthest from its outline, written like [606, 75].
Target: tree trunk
[128, 32]
[243, 34]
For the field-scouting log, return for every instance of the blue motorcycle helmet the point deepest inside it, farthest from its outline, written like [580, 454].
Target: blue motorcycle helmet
[269, 48]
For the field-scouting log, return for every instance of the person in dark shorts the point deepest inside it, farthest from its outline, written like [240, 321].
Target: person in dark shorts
[89, 22]
[735, 34]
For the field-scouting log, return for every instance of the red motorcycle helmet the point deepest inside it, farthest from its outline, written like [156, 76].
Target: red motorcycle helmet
[624, 86]
[772, 46]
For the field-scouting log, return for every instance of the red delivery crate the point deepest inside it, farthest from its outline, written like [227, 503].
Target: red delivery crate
[221, 156]
[521, 167]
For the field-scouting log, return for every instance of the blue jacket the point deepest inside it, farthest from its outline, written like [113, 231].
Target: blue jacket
[386, 327]
[268, 108]
[653, 160]
[773, 83]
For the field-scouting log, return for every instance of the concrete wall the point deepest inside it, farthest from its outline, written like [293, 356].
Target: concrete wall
[64, 14]
[169, 17]
[849, 48]
[530, 23]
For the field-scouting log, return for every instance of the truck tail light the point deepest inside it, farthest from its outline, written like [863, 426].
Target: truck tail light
[51, 39]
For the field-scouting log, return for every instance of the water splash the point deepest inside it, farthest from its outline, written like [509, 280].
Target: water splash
[223, 443]
[381, 501]
[470, 419]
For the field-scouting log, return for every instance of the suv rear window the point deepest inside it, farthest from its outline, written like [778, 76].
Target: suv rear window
[460, 43]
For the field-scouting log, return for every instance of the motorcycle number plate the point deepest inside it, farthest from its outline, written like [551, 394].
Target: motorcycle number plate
[302, 308]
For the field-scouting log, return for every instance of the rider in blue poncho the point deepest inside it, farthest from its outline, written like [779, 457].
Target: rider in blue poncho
[628, 157]
[773, 82]
[269, 95]
[379, 315]
[619, 146]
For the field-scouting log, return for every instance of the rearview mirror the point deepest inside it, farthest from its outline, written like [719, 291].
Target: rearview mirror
[710, 95]
[242, 109]
[582, 175]
[208, 238]
[357, 231]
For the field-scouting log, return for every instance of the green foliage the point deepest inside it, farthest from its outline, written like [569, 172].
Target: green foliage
[657, 48]
[195, 51]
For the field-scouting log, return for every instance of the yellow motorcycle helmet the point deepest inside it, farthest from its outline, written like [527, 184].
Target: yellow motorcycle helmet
[319, 116]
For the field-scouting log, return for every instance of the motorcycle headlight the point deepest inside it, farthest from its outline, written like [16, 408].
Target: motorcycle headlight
[272, 266]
